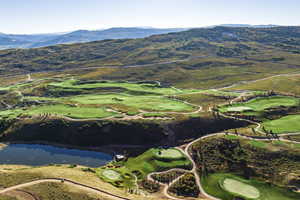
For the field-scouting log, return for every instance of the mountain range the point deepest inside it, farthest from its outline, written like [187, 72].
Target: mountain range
[41, 40]
[260, 44]
[8, 41]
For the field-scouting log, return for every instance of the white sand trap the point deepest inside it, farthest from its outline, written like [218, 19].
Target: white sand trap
[240, 188]
[111, 174]
[239, 109]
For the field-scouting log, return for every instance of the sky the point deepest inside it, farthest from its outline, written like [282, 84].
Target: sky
[49, 16]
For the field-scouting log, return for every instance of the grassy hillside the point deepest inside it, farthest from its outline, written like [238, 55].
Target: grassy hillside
[263, 45]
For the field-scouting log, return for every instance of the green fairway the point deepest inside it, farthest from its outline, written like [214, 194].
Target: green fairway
[10, 114]
[152, 103]
[151, 161]
[260, 104]
[150, 88]
[287, 124]
[70, 111]
[227, 186]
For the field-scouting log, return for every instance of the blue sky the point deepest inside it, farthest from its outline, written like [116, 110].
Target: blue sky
[44, 16]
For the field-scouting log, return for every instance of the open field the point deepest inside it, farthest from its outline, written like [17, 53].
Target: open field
[11, 175]
[260, 104]
[287, 124]
[205, 100]
[261, 190]
[51, 191]
[278, 84]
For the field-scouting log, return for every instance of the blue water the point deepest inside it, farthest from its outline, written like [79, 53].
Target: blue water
[38, 155]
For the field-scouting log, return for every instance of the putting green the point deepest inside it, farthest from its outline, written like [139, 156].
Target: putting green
[240, 188]
[111, 174]
[169, 153]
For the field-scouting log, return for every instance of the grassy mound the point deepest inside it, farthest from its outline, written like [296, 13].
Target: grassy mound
[212, 186]
[287, 124]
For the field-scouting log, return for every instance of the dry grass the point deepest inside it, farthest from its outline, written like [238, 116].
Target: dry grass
[62, 171]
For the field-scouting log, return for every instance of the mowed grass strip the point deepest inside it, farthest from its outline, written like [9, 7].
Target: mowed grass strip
[260, 104]
[287, 124]
[141, 87]
[152, 103]
[70, 111]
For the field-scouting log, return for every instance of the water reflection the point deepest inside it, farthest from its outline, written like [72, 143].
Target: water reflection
[36, 155]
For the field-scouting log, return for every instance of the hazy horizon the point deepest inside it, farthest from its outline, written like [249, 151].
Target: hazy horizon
[59, 16]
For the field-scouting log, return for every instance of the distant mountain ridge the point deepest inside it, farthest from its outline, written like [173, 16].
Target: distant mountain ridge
[274, 44]
[8, 41]
[41, 40]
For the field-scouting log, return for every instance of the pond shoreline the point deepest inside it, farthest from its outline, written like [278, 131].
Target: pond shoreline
[108, 149]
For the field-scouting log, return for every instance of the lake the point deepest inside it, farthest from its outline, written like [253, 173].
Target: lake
[38, 155]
